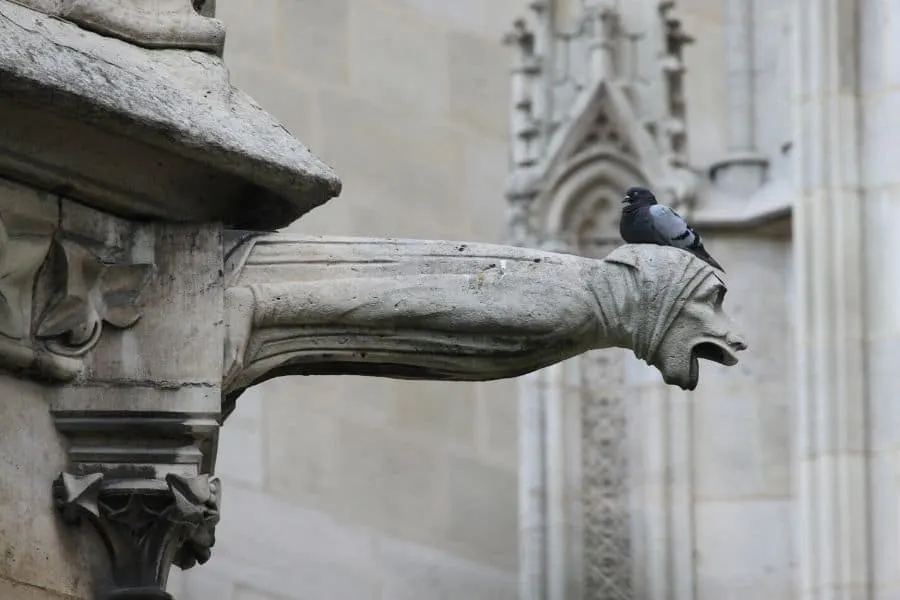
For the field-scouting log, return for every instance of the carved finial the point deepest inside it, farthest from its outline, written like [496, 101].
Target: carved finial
[523, 128]
[521, 37]
[672, 65]
[539, 7]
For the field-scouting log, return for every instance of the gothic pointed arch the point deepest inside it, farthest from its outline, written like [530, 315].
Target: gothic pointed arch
[578, 211]
[609, 117]
[601, 116]
[580, 206]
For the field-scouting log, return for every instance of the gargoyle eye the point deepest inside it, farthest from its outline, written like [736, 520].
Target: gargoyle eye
[720, 292]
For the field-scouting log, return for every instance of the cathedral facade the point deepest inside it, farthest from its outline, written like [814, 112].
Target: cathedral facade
[765, 124]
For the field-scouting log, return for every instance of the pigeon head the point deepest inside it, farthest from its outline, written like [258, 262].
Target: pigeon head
[638, 196]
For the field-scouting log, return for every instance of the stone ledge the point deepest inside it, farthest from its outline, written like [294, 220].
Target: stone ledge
[154, 134]
[771, 204]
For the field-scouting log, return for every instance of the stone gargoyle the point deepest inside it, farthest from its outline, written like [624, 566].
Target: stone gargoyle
[456, 311]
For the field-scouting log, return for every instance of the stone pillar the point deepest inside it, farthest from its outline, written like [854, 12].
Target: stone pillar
[660, 448]
[97, 304]
[878, 104]
[532, 490]
[120, 167]
[743, 170]
[142, 426]
[833, 512]
[550, 532]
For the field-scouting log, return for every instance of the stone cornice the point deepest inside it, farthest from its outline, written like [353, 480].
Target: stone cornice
[714, 210]
[143, 133]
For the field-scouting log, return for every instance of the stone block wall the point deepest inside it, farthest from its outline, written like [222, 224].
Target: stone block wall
[342, 487]
[742, 429]
[38, 561]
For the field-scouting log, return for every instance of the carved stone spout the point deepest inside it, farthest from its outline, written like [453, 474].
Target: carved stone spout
[455, 311]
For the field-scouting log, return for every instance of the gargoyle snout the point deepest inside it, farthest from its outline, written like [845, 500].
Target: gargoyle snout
[736, 342]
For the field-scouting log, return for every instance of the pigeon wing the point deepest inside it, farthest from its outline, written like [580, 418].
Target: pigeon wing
[670, 226]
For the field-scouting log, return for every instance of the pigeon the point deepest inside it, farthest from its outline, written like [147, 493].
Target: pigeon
[646, 222]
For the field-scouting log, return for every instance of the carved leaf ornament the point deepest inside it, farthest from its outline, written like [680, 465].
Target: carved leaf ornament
[90, 292]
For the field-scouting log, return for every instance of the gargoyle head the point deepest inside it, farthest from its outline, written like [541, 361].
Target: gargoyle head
[671, 311]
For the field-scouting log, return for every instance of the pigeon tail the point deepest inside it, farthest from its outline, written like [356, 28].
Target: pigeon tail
[701, 253]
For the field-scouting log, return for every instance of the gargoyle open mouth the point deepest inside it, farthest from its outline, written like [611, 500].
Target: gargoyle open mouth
[715, 351]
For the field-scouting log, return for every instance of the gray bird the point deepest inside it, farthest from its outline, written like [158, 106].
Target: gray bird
[646, 222]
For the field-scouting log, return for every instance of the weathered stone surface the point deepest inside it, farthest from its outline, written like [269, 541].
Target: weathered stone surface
[315, 39]
[398, 59]
[168, 137]
[11, 590]
[437, 411]
[457, 311]
[743, 545]
[410, 572]
[161, 24]
[383, 481]
[34, 551]
[476, 522]
[332, 559]
[473, 65]
[497, 421]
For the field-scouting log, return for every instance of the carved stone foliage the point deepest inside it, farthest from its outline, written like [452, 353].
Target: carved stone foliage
[146, 525]
[55, 296]
[605, 486]
[604, 130]
[87, 293]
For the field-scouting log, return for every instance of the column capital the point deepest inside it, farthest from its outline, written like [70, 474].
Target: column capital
[146, 524]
